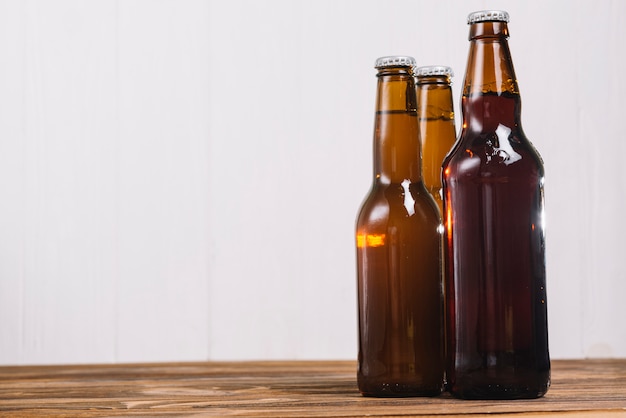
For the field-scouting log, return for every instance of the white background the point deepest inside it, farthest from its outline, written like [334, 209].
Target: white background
[179, 179]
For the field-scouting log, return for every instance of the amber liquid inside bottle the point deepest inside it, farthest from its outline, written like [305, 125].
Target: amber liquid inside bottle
[437, 132]
[399, 258]
[494, 240]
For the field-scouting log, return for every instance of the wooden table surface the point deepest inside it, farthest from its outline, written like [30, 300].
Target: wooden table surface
[585, 388]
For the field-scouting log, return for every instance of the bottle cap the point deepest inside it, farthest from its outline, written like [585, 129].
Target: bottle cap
[488, 16]
[395, 61]
[433, 70]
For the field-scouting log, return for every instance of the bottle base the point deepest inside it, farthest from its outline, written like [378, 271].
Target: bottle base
[498, 392]
[398, 390]
[509, 378]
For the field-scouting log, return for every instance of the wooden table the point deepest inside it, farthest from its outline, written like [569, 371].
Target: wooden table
[589, 388]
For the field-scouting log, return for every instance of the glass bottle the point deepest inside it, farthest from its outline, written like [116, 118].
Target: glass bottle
[494, 236]
[399, 253]
[435, 112]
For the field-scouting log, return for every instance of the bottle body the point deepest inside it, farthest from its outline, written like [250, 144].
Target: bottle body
[435, 112]
[494, 241]
[401, 350]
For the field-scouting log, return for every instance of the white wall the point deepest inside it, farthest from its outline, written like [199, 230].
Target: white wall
[179, 179]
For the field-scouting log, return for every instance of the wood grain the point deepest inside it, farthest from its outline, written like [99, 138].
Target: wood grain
[587, 388]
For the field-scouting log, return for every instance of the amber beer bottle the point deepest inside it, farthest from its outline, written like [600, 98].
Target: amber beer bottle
[400, 298]
[435, 112]
[494, 237]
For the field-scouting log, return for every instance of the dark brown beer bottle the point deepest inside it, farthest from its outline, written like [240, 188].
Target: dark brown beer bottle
[399, 253]
[435, 112]
[494, 237]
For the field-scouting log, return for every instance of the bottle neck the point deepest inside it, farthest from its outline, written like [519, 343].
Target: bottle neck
[434, 99]
[435, 112]
[490, 92]
[396, 141]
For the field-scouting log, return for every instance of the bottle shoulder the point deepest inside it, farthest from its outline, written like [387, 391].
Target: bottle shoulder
[400, 202]
[504, 151]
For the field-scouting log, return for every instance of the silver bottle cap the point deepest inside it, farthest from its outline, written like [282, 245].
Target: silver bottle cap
[488, 16]
[433, 70]
[395, 61]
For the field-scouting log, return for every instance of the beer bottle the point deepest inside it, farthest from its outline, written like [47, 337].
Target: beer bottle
[399, 253]
[494, 237]
[435, 112]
